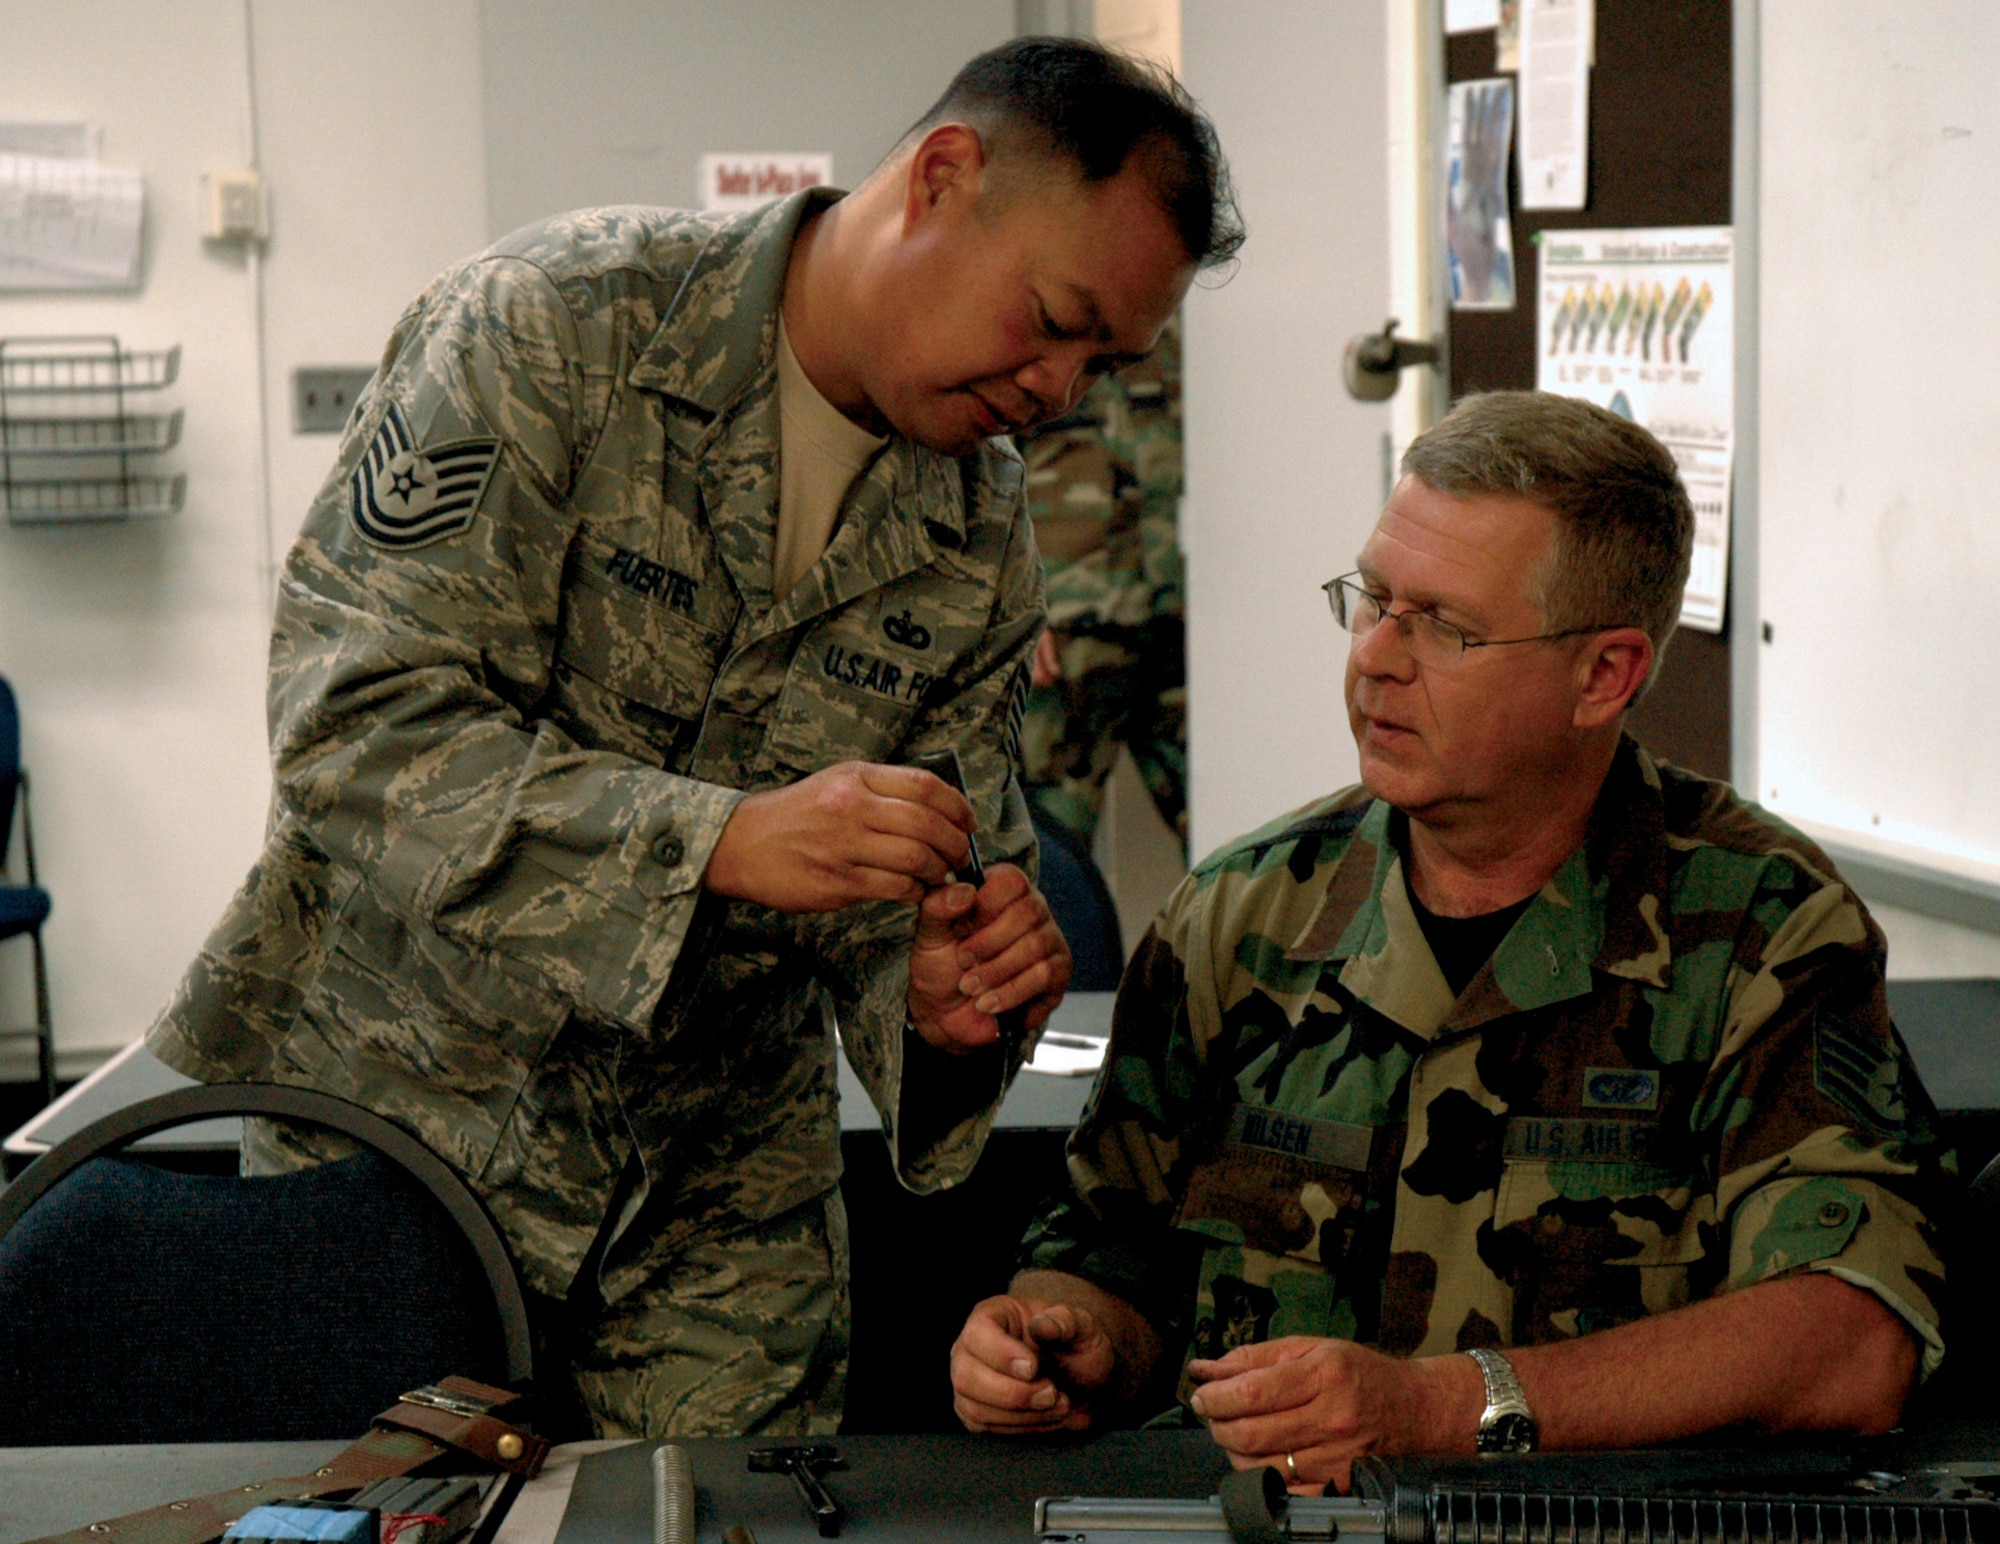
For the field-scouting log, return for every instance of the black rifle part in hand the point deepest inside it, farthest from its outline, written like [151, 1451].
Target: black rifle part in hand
[943, 765]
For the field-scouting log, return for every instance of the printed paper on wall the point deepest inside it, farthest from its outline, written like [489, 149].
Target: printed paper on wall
[1643, 322]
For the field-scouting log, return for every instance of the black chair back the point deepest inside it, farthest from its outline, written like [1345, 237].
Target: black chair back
[1081, 903]
[10, 765]
[141, 1304]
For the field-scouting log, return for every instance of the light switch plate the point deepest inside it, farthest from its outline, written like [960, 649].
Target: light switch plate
[323, 396]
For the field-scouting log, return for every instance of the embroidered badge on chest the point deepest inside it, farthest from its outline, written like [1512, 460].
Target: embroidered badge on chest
[1620, 1088]
[401, 497]
[906, 630]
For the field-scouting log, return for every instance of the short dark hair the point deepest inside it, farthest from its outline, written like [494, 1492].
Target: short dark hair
[1076, 101]
[1625, 525]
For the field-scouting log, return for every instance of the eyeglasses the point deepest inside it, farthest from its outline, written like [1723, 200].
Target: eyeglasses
[1430, 639]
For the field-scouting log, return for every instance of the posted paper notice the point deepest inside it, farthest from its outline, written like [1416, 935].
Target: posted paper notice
[1479, 237]
[68, 224]
[1643, 322]
[736, 181]
[1556, 39]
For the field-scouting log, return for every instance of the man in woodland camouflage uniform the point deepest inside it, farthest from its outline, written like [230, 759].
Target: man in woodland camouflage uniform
[1528, 1042]
[1104, 490]
[587, 707]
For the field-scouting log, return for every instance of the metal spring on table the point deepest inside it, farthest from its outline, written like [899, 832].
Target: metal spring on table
[673, 1495]
[1478, 1516]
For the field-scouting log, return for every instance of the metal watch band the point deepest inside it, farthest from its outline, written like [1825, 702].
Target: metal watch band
[1506, 1424]
[1502, 1386]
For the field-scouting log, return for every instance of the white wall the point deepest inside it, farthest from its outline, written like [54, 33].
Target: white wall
[1284, 469]
[613, 101]
[138, 650]
[379, 183]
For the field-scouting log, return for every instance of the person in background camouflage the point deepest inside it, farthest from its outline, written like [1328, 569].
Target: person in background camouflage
[1104, 490]
[587, 833]
[1528, 1042]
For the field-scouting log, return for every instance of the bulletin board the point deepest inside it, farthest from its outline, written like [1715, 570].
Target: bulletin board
[1660, 155]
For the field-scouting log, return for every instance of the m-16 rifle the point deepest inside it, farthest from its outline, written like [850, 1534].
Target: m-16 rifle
[1771, 1496]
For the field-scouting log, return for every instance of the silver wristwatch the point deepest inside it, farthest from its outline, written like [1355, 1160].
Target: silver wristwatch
[1506, 1425]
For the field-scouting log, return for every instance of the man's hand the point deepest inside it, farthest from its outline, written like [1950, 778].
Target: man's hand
[1325, 1402]
[1026, 1365]
[977, 955]
[1048, 660]
[853, 832]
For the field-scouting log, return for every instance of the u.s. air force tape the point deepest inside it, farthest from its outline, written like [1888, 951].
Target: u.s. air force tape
[402, 497]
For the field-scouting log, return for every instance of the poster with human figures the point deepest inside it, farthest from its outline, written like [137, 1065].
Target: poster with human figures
[1643, 322]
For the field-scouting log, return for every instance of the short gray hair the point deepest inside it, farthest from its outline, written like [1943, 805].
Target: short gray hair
[1625, 525]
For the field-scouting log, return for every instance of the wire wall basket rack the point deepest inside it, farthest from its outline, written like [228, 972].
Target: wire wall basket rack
[78, 425]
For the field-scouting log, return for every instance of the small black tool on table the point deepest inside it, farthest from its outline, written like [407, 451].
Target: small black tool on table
[805, 1464]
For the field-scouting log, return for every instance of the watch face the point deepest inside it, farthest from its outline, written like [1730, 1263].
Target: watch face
[1509, 1433]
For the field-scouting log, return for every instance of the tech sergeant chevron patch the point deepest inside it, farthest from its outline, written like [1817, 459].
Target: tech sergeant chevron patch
[401, 497]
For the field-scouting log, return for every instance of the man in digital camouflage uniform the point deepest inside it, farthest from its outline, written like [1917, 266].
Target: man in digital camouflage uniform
[1104, 489]
[1528, 1042]
[590, 822]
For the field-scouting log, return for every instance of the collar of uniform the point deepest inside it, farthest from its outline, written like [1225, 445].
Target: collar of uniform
[1630, 869]
[709, 363]
[1348, 919]
[1601, 909]
[1364, 918]
[907, 503]
[720, 329]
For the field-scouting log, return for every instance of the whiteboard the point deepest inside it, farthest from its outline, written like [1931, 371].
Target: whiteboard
[1878, 429]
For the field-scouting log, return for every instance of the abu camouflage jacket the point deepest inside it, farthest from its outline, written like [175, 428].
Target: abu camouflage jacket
[526, 661]
[1676, 1076]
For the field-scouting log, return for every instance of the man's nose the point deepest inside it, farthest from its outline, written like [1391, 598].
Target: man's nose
[1383, 651]
[1056, 380]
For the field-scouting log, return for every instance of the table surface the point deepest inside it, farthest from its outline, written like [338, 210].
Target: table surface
[940, 1489]
[1036, 1099]
[897, 1490]
[957, 1489]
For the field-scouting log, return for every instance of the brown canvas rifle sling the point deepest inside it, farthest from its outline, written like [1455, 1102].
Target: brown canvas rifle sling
[455, 1419]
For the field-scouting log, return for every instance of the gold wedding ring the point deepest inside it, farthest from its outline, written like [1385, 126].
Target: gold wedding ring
[1292, 1468]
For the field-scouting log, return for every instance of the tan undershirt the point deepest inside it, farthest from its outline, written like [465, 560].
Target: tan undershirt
[820, 453]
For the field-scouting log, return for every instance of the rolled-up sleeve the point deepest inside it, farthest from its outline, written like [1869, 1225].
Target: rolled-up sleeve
[1831, 1156]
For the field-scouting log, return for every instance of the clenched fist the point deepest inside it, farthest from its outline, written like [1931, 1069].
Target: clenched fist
[1023, 1365]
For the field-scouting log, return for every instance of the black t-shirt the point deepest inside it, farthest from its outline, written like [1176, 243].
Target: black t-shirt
[1462, 944]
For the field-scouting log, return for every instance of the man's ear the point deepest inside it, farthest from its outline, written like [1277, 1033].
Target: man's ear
[945, 170]
[1610, 672]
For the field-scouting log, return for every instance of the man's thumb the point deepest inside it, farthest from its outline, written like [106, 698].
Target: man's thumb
[940, 909]
[1061, 1326]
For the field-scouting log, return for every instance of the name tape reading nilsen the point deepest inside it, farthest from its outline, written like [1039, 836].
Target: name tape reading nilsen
[1337, 1143]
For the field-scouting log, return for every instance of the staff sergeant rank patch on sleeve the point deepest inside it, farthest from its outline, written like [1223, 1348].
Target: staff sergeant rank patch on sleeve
[401, 497]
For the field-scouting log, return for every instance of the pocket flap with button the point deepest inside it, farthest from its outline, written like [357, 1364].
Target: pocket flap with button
[1805, 1220]
[1602, 1189]
[623, 630]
